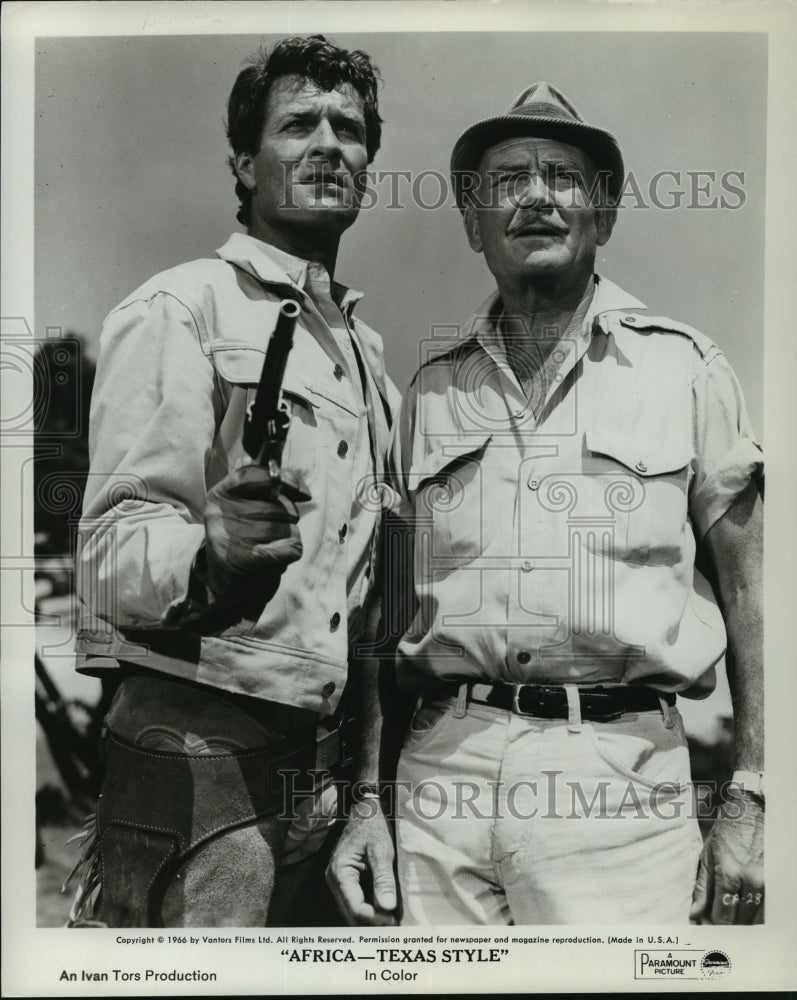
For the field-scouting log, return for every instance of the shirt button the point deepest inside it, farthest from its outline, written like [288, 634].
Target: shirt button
[334, 621]
[527, 565]
[343, 530]
[629, 319]
[533, 483]
[518, 414]
[343, 449]
[338, 372]
[328, 689]
[523, 656]
[641, 467]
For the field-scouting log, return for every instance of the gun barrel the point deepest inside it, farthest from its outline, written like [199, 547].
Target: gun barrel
[264, 413]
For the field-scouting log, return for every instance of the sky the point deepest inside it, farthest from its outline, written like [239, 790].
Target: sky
[131, 175]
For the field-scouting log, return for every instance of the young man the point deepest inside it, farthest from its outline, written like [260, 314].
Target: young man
[232, 608]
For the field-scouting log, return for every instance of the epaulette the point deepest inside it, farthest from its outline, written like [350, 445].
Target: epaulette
[446, 353]
[705, 345]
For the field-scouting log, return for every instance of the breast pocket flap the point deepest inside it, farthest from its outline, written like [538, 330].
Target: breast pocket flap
[643, 457]
[239, 365]
[438, 463]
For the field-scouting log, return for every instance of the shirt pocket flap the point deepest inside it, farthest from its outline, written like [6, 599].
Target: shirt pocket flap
[293, 388]
[244, 365]
[321, 393]
[239, 365]
[435, 464]
[643, 457]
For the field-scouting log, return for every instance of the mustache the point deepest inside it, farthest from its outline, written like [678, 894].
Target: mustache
[327, 175]
[538, 223]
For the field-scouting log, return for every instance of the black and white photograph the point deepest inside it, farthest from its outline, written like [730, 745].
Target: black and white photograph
[388, 602]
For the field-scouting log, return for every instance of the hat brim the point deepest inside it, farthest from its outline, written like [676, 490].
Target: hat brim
[600, 145]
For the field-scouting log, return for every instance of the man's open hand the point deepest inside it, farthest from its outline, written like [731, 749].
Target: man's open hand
[730, 880]
[360, 872]
[251, 535]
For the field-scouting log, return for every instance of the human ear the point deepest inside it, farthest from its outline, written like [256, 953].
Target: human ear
[245, 169]
[471, 220]
[606, 218]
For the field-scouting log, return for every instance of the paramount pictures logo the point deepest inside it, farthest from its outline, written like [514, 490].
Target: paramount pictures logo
[665, 963]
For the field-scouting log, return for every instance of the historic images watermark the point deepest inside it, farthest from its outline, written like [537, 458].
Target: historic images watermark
[546, 797]
[668, 189]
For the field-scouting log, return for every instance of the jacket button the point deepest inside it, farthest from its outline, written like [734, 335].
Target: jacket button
[527, 565]
[343, 448]
[533, 483]
[343, 530]
[629, 319]
[338, 372]
[328, 689]
[334, 621]
[523, 656]
[641, 467]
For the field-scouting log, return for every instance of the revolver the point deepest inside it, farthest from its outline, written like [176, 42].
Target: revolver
[267, 421]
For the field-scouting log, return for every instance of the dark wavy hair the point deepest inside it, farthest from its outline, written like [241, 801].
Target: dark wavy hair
[315, 59]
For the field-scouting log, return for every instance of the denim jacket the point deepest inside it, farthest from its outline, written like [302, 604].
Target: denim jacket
[179, 361]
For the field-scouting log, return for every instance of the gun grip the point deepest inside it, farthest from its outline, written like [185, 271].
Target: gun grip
[291, 491]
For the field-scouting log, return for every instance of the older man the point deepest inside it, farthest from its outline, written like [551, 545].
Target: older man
[232, 606]
[559, 469]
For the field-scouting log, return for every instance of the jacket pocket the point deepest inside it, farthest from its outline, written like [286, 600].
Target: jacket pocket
[642, 486]
[451, 502]
[239, 369]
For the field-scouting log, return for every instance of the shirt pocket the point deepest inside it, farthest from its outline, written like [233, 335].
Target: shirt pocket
[642, 488]
[451, 504]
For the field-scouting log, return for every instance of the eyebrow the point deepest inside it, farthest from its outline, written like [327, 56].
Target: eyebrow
[523, 165]
[311, 115]
[504, 165]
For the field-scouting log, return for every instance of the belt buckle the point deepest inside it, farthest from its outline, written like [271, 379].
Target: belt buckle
[516, 709]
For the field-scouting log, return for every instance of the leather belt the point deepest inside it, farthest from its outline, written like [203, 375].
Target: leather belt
[598, 704]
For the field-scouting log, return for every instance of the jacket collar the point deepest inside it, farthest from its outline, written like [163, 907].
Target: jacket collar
[272, 266]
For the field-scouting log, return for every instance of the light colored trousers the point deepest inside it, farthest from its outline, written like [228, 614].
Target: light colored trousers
[505, 819]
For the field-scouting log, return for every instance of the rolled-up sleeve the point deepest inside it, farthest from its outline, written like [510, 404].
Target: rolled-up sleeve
[152, 430]
[728, 455]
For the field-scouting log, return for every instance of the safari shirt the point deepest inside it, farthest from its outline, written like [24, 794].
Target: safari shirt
[562, 549]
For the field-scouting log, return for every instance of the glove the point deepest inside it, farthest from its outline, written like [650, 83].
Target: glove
[251, 536]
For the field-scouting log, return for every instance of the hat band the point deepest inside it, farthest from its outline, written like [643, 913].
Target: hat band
[547, 110]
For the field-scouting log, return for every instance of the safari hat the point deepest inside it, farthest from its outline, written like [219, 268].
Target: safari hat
[543, 112]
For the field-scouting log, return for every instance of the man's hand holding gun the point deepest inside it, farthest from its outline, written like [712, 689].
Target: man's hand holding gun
[251, 520]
